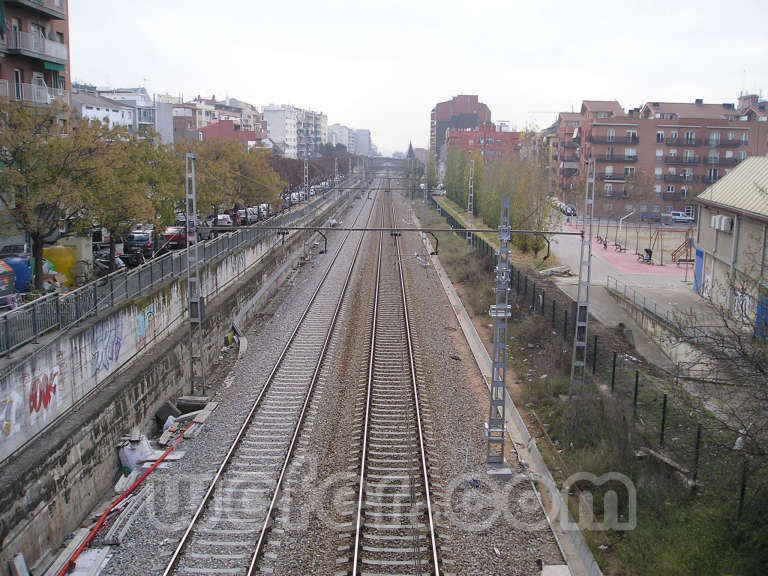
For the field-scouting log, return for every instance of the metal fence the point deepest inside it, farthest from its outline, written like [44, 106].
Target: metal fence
[57, 311]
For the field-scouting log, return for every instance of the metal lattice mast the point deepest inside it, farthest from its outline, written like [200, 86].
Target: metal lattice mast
[335, 170]
[471, 196]
[580, 336]
[195, 298]
[500, 312]
[306, 175]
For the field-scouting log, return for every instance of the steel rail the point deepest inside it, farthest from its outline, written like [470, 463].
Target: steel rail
[173, 562]
[292, 446]
[419, 229]
[424, 468]
[366, 419]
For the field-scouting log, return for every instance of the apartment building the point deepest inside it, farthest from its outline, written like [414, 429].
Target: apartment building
[339, 134]
[94, 107]
[145, 117]
[566, 155]
[654, 159]
[489, 140]
[363, 144]
[281, 127]
[459, 113]
[34, 51]
[230, 130]
[311, 132]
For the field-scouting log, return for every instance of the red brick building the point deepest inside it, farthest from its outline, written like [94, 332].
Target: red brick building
[34, 42]
[566, 155]
[489, 141]
[655, 159]
[229, 130]
[461, 112]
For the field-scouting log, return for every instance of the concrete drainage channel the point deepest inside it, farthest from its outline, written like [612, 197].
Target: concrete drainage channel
[91, 455]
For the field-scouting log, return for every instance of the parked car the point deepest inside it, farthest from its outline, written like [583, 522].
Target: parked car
[139, 241]
[176, 236]
[264, 211]
[15, 251]
[681, 217]
[223, 220]
[650, 217]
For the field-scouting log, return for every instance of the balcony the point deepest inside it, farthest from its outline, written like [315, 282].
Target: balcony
[682, 159]
[46, 8]
[570, 144]
[671, 196]
[35, 46]
[683, 141]
[712, 161]
[680, 178]
[612, 176]
[709, 179]
[613, 139]
[717, 143]
[33, 93]
[569, 158]
[614, 158]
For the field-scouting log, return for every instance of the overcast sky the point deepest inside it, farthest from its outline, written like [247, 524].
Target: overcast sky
[383, 65]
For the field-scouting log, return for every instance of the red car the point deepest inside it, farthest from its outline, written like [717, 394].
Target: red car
[176, 237]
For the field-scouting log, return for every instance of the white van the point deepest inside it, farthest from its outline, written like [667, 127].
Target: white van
[681, 217]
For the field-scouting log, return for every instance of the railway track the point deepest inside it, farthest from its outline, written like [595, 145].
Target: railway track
[228, 530]
[394, 531]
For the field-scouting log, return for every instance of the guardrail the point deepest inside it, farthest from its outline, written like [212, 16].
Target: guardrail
[57, 311]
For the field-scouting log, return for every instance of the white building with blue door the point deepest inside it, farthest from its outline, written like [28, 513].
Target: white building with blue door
[731, 266]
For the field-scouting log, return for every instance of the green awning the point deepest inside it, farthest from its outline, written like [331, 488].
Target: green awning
[53, 66]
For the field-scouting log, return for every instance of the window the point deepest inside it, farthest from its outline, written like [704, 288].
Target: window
[656, 190]
[609, 153]
[745, 138]
[690, 137]
[729, 153]
[683, 192]
[630, 153]
[603, 115]
[608, 189]
[631, 136]
[609, 170]
[731, 136]
[686, 174]
[673, 153]
[18, 80]
[670, 188]
[629, 170]
[712, 174]
[660, 136]
[659, 154]
[689, 156]
[714, 157]
[674, 135]
[657, 173]
[611, 135]
[714, 138]
[656, 208]
[60, 37]
[742, 155]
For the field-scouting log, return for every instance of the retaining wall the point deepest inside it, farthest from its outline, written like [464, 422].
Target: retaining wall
[109, 376]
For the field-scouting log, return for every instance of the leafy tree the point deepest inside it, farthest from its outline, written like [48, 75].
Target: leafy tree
[432, 179]
[47, 162]
[119, 195]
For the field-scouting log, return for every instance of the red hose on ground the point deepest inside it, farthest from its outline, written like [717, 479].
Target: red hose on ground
[123, 496]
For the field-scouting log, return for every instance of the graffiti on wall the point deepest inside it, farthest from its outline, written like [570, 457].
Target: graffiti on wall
[105, 344]
[145, 326]
[42, 390]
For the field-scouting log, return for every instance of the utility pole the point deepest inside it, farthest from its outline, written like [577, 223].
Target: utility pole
[306, 175]
[471, 197]
[579, 362]
[335, 170]
[500, 312]
[195, 298]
